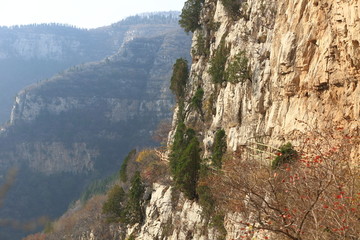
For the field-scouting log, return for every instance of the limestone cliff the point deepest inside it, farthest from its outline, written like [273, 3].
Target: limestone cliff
[303, 59]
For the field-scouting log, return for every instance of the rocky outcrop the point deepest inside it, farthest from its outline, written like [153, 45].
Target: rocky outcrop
[168, 220]
[165, 219]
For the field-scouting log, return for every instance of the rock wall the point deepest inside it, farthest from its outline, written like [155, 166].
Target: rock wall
[304, 77]
[162, 222]
[304, 71]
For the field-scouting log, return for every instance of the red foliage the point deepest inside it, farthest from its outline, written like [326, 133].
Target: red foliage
[316, 197]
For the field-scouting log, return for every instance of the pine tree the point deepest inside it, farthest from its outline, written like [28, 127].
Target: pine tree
[113, 205]
[134, 209]
[190, 15]
[187, 171]
[179, 78]
[218, 148]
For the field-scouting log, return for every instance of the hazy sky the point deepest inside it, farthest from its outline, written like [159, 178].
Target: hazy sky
[81, 13]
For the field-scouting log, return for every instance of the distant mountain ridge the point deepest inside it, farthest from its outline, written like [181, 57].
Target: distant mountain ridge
[77, 125]
[32, 53]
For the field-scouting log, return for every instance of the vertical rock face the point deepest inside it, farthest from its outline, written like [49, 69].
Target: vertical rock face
[32, 53]
[181, 220]
[304, 72]
[321, 80]
[303, 58]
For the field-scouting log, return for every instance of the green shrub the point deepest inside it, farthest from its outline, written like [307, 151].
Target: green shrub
[126, 208]
[190, 15]
[131, 237]
[113, 205]
[238, 70]
[214, 26]
[218, 223]
[218, 62]
[287, 154]
[200, 48]
[206, 200]
[218, 148]
[179, 78]
[196, 100]
[123, 168]
[232, 7]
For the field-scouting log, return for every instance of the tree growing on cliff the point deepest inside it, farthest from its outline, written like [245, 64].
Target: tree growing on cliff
[286, 155]
[185, 160]
[187, 171]
[238, 69]
[190, 15]
[125, 207]
[232, 7]
[114, 205]
[218, 63]
[218, 148]
[123, 169]
[179, 78]
[134, 210]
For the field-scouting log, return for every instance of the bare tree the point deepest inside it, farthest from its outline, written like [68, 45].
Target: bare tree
[317, 196]
[161, 132]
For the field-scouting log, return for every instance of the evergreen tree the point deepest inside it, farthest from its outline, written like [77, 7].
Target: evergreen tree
[232, 7]
[287, 154]
[179, 78]
[185, 160]
[218, 148]
[218, 62]
[134, 209]
[123, 168]
[177, 146]
[190, 15]
[187, 172]
[113, 205]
